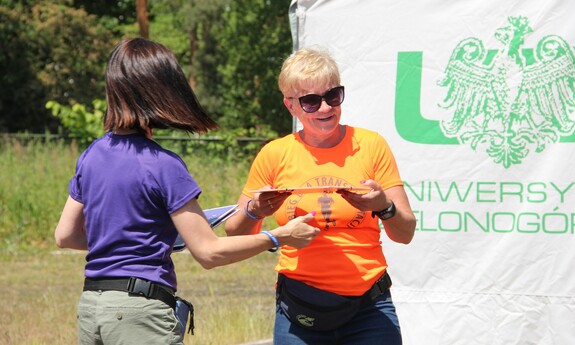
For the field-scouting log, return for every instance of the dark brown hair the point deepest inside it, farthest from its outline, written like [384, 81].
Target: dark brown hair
[146, 88]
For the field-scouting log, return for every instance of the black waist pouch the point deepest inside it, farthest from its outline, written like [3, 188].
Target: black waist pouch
[185, 313]
[313, 308]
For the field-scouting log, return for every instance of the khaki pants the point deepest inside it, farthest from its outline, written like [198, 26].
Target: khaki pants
[114, 317]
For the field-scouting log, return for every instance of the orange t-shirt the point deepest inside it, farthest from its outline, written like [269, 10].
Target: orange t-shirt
[346, 257]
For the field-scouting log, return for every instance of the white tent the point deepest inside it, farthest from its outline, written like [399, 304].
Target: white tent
[476, 98]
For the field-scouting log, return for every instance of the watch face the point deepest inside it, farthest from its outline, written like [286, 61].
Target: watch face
[387, 213]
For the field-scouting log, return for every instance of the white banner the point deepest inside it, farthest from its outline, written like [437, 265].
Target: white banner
[477, 101]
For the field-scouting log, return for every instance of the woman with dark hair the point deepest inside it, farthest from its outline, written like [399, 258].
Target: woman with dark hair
[129, 199]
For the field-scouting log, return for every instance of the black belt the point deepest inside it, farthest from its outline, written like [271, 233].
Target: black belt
[379, 287]
[135, 286]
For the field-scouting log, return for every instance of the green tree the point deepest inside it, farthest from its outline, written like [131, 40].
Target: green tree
[82, 123]
[20, 89]
[253, 42]
[122, 12]
[53, 52]
[187, 28]
[232, 52]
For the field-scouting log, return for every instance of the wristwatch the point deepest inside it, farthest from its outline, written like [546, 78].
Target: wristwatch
[385, 213]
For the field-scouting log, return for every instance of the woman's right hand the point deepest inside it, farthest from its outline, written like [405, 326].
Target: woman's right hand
[297, 233]
[267, 203]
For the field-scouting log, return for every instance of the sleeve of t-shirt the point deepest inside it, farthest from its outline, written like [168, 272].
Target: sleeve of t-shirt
[177, 185]
[386, 170]
[262, 170]
[74, 185]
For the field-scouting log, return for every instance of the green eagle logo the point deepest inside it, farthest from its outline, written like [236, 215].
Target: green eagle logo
[510, 100]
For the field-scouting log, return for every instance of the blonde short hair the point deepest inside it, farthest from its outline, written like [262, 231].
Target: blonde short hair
[306, 67]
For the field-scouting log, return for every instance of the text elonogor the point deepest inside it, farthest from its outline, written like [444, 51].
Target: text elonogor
[496, 222]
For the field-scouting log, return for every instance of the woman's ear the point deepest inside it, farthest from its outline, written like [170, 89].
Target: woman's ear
[289, 105]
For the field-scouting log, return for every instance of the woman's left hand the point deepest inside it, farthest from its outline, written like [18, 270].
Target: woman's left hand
[401, 227]
[374, 200]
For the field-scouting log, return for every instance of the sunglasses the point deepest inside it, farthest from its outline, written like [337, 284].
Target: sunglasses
[312, 102]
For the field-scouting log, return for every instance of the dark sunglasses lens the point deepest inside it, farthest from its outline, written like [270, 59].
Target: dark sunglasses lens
[310, 103]
[334, 97]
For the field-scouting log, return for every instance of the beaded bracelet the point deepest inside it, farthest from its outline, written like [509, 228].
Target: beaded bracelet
[274, 240]
[248, 214]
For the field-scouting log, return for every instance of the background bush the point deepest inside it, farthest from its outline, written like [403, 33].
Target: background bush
[34, 185]
[231, 52]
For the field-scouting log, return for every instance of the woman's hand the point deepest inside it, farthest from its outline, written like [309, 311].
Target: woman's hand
[297, 233]
[266, 203]
[374, 200]
[399, 228]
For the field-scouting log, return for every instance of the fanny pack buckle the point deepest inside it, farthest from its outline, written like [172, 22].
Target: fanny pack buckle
[380, 287]
[384, 283]
[140, 287]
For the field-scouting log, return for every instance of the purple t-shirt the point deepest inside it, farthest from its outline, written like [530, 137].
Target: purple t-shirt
[129, 186]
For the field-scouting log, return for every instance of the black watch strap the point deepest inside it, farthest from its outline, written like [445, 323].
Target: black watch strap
[385, 213]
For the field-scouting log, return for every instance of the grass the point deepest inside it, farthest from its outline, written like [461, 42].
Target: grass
[33, 189]
[233, 304]
[40, 285]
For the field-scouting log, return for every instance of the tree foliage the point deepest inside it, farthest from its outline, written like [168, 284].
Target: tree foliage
[53, 52]
[231, 51]
[83, 124]
[254, 42]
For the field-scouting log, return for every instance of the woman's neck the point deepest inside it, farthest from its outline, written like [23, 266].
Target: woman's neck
[125, 131]
[323, 142]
